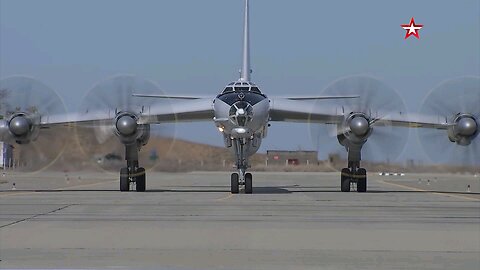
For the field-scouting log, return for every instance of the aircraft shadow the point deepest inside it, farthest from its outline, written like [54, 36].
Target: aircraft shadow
[256, 190]
[187, 190]
[422, 191]
[56, 190]
[271, 190]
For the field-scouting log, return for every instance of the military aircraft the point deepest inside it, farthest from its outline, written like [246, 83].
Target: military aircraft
[243, 113]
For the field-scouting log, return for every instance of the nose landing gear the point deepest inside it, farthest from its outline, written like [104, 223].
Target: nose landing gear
[242, 178]
[236, 182]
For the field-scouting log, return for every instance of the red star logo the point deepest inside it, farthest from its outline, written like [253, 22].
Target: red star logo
[412, 28]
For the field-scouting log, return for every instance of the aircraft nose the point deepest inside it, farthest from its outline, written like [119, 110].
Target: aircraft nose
[241, 113]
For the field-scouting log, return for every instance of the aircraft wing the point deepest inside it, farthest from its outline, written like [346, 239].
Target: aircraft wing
[397, 119]
[281, 109]
[187, 97]
[319, 97]
[181, 111]
[287, 110]
[191, 110]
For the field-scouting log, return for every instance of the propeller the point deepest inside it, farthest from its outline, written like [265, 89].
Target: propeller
[24, 102]
[104, 141]
[457, 102]
[376, 101]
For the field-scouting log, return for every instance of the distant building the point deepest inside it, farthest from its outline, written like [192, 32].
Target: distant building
[6, 155]
[278, 157]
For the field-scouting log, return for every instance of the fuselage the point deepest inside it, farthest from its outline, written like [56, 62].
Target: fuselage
[241, 112]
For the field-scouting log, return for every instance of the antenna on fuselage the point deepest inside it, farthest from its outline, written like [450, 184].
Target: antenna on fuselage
[246, 70]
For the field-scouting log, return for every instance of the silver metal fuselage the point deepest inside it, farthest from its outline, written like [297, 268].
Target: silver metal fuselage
[242, 112]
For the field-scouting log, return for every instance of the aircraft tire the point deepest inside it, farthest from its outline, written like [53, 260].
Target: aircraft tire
[345, 180]
[124, 182]
[248, 183]
[361, 180]
[140, 180]
[234, 184]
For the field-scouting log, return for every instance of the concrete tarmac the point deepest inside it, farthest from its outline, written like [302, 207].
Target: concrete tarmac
[191, 221]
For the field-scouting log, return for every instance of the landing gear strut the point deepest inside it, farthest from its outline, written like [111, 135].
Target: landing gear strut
[353, 174]
[242, 178]
[133, 173]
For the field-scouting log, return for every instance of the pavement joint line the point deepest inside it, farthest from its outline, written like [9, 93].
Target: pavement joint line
[36, 215]
[431, 192]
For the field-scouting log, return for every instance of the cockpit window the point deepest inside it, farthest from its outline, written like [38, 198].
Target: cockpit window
[247, 88]
[242, 88]
[255, 90]
[227, 89]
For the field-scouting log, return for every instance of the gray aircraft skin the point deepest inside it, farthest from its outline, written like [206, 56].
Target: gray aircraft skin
[242, 114]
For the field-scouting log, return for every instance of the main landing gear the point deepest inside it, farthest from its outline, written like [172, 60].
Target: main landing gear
[354, 174]
[132, 173]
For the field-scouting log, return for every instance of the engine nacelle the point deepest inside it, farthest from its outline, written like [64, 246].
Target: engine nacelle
[464, 129]
[19, 128]
[3, 130]
[129, 131]
[356, 129]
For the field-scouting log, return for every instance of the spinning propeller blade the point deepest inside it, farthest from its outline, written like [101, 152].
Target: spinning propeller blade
[24, 103]
[115, 96]
[376, 100]
[453, 100]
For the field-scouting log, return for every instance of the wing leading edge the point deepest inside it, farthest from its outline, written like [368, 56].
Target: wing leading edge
[286, 110]
[185, 111]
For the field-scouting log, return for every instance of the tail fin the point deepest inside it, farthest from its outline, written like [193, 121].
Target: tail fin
[246, 70]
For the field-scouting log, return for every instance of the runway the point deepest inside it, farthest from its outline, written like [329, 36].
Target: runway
[191, 221]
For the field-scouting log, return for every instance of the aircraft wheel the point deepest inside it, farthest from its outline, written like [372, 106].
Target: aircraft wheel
[234, 183]
[248, 183]
[361, 180]
[124, 182]
[140, 180]
[345, 180]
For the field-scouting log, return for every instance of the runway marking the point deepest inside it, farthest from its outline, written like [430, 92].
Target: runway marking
[226, 197]
[86, 185]
[16, 193]
[431, 192]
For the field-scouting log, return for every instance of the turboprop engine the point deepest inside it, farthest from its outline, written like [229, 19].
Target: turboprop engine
[464, 129]
[19, 128]
[129, 131]
[355, 130]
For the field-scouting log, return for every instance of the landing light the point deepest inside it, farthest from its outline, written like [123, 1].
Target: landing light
[220, 129]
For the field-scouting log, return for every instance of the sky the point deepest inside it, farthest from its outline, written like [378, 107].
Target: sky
[194, 47]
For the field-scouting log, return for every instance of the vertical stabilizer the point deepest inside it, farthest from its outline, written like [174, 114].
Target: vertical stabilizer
[246, 70]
